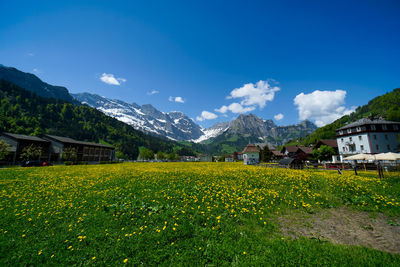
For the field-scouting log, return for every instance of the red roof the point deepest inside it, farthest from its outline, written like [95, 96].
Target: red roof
[251, 148]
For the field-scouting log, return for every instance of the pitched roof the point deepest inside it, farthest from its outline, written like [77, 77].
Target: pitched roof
[277, 153]
[25, 137]
[365, 121]
[291, 148]
[327, 142]
[68, 140]
[251, 148]
[307, 150]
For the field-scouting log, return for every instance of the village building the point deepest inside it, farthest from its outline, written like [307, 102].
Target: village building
[251, 154]
[85, 151]
[205, 158]
[327, 142]
[188, 158]
[17, 142]
[52, 148]
[368, 136]
[237, 155]
[229, 158]
[276, 155]
[331, 143]
[297, 152]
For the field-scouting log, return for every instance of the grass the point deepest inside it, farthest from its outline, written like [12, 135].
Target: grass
[179, 214]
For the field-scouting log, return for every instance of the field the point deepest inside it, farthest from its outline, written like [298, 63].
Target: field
[185, 213]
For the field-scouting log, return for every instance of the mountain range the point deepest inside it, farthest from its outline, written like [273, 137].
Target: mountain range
[176, 125]
[97, 118]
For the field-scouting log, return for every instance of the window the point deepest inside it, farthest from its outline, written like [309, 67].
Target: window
[340, 132]
[358, 129]
[395, 127]
[348, 130]
[360, 137]
[373, 127]
[377, 147]
[351, 139]
[341, 140]
[374, 136]
[388, 146]
[386, 137]
[384, 127]
[344, 149]
[361, 147]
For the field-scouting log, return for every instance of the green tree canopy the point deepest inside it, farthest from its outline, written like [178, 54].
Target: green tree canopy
[31, 152]
[146, 154]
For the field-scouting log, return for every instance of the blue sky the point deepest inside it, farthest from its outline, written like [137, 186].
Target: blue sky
[312, 60]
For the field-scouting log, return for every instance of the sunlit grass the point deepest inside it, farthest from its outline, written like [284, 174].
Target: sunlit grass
[178, 213]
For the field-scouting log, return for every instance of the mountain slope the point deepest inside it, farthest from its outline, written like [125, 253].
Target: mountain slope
[386, 106]
[24, 112]
[32, 83]
[174, 125]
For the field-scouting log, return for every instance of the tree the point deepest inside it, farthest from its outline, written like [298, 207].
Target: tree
[31, 152]
[3, 150]
[265, 154]
[173, 157]
[323, 153]
[146, 154]
[69, 153]
[161, 155]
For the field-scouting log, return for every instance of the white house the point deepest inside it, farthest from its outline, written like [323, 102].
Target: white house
[368, 136]
[251, 154]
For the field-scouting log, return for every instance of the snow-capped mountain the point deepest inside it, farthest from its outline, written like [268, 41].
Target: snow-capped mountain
[174, 125]
[213, 131]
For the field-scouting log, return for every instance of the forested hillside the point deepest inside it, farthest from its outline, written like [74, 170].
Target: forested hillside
[24, 112]
[386, 106]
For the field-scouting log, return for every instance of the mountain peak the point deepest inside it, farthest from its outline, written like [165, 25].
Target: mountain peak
[31, 82]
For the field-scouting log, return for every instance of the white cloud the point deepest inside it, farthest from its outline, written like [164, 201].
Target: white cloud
[278, 117]
[177, 99]
[153, 92]
[37, 71]
[322, 106]
[110, 79]
[206, 115]
[31, 54]
[255, 94]
[235, 108]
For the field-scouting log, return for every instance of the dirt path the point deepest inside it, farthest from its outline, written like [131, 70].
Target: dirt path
[345, 226]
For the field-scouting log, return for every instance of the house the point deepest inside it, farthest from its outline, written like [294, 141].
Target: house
[251, 154]
[327, 142]
[205, 158]
[290, 151]
[53, 146]
[85, 151]
[188, 158]
[369, 136]
[237, 155]
[331, 143]
[17, 142]
[276, 155]
[297, 152]
[229, 158]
